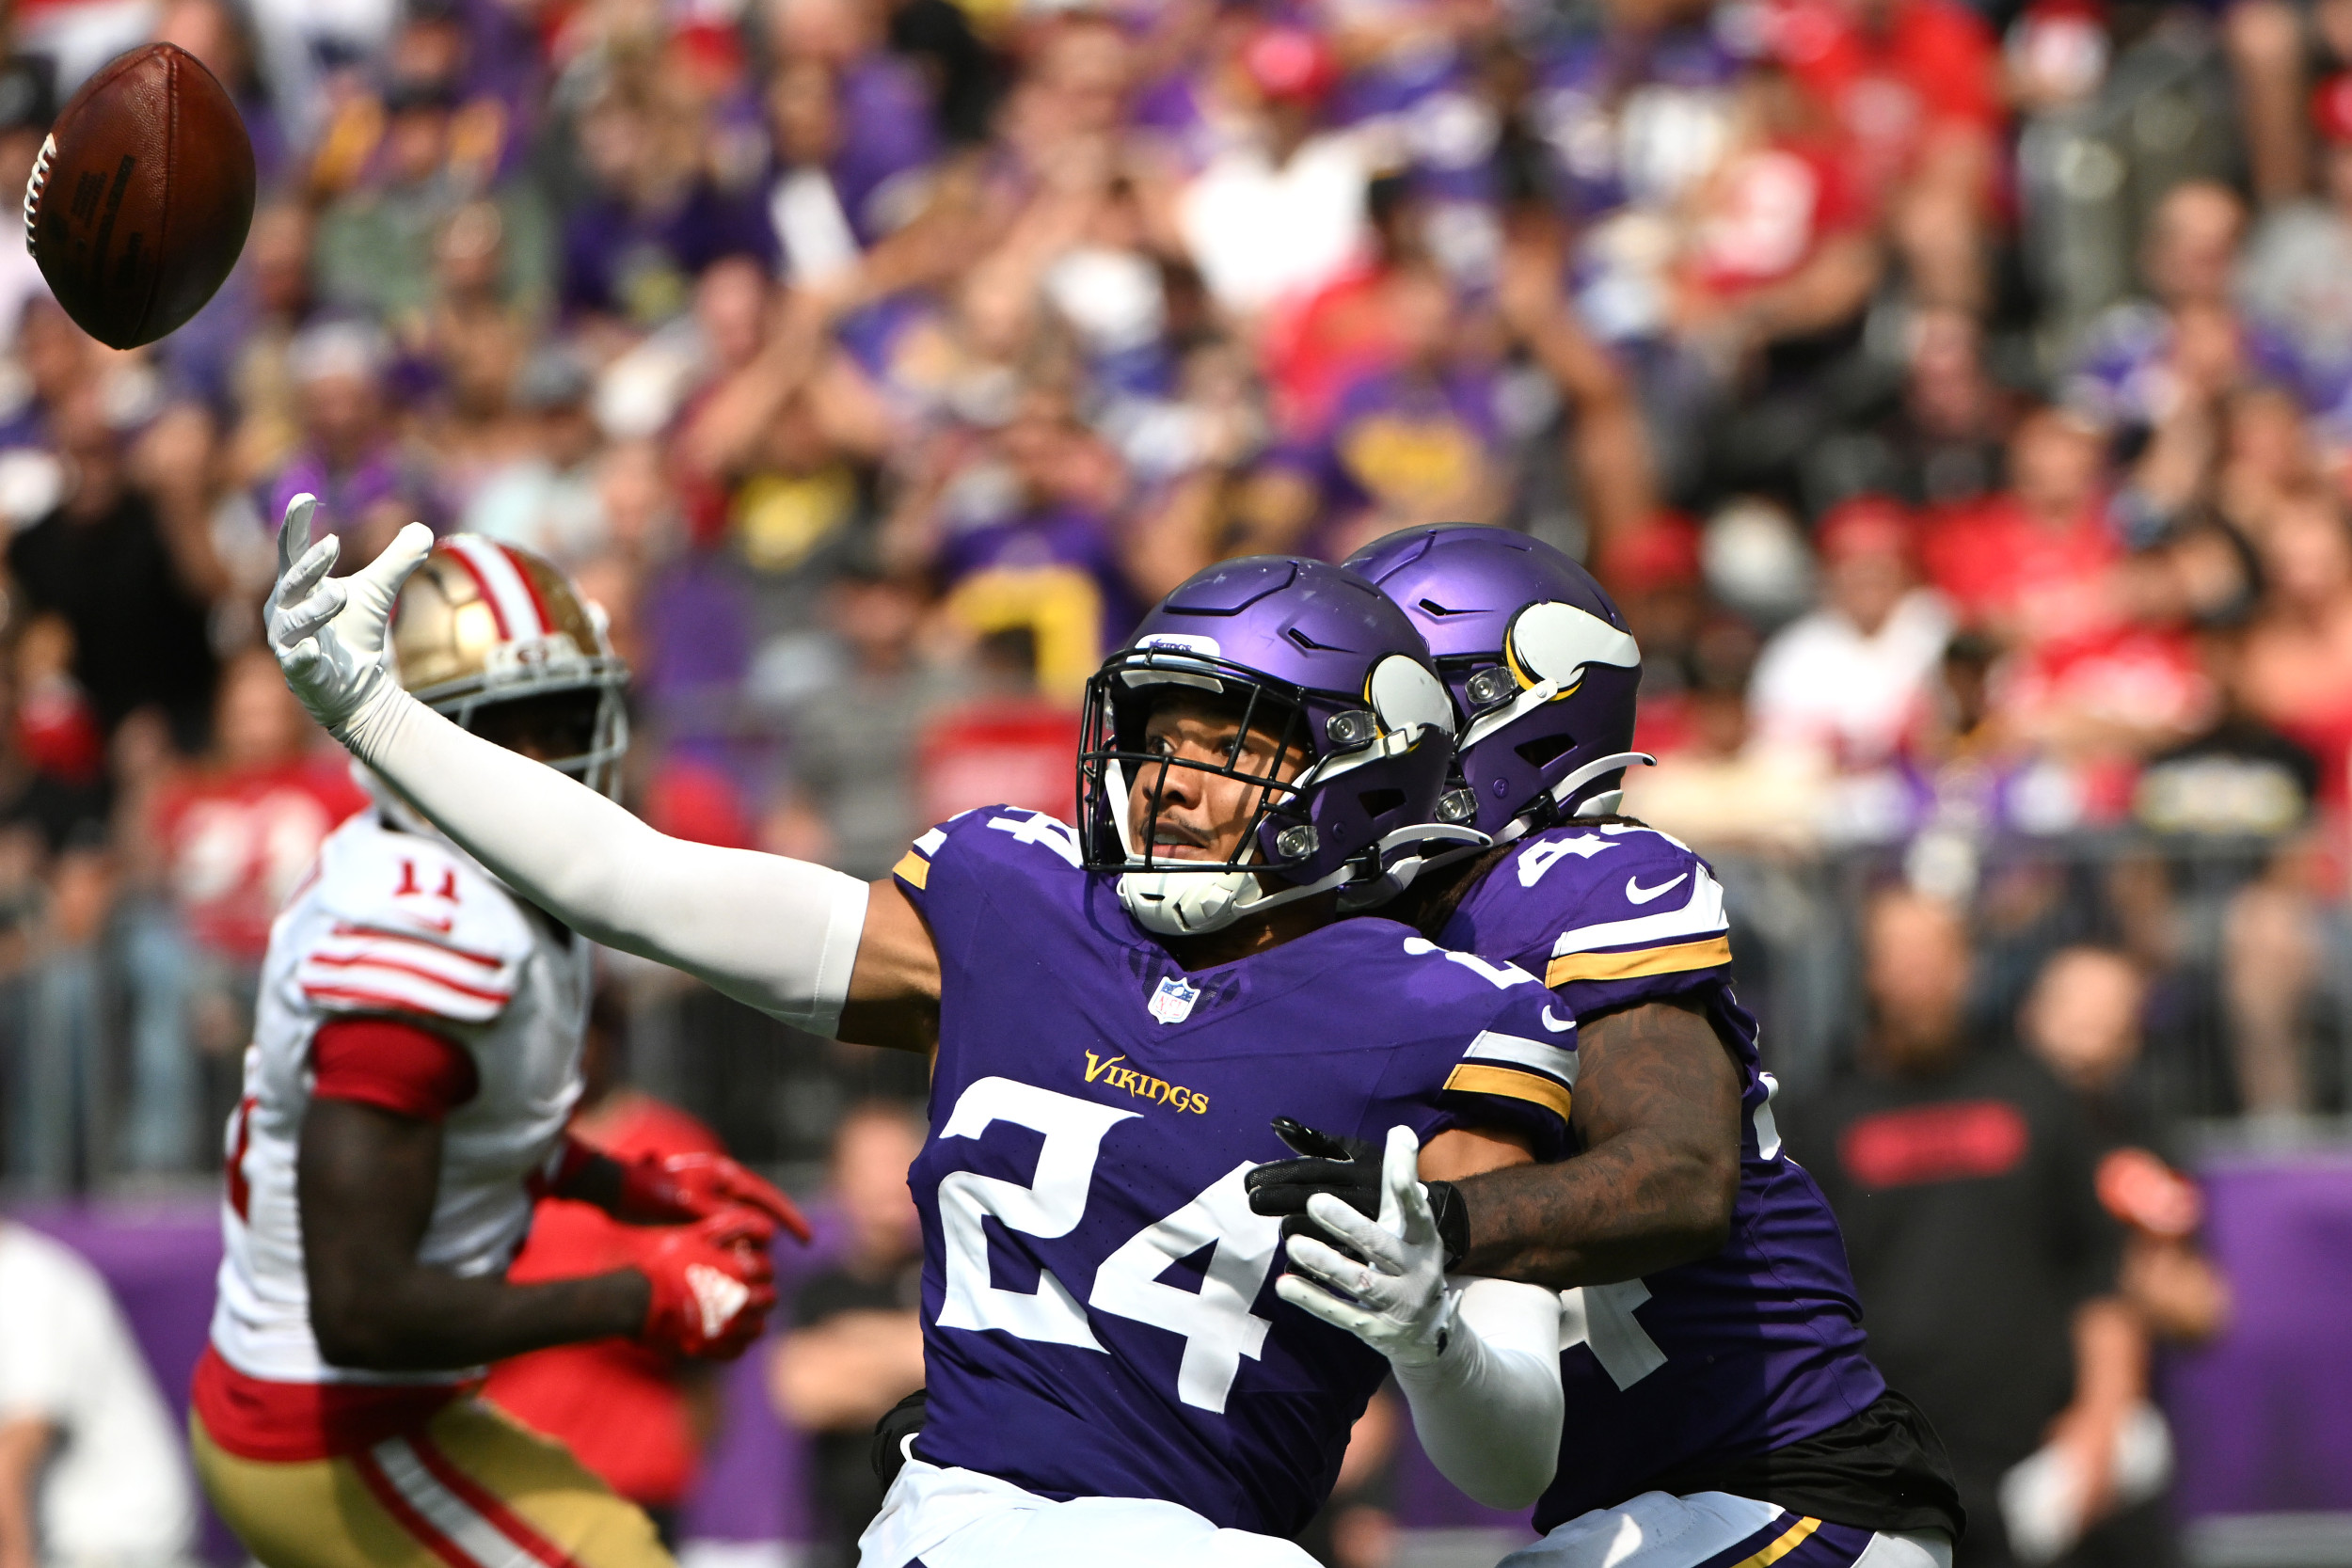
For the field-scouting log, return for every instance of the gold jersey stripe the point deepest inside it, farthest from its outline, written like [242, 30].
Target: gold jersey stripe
[914, 868]
[1644, 961]
[1481, 1077]
[1787, 1543]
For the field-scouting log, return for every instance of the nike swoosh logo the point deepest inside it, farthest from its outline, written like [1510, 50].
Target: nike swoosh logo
[1635, 893]
[1557, 1025]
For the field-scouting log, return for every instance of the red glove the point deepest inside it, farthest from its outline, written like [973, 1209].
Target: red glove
[712, 1287]
[673, 1190]
[676, 1189]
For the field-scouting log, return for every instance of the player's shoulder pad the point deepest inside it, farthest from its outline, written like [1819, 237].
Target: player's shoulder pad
[410, 925]
[1517, 1050]
[1624, 902]
[990, 840]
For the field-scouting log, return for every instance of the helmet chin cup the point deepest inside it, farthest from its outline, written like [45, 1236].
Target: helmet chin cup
[1195, 903]
[1183, 903]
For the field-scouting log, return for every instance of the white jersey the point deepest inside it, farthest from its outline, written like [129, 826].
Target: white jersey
[405, 924]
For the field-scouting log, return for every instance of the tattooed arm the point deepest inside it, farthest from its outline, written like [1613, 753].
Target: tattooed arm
[1656, 1113]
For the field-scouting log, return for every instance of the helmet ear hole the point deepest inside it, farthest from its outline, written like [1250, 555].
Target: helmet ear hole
[1378, 802]
[1544, 748]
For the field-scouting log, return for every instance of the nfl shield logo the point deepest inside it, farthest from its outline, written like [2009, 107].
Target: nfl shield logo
[1173, 1003]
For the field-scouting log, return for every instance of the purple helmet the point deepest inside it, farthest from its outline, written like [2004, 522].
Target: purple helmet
[1318, 660]
[1541, 667]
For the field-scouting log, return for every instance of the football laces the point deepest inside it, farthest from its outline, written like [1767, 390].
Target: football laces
[34, 186]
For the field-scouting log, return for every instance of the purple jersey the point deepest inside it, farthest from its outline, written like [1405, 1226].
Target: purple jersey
[1099, 1315]
[1755, 1347]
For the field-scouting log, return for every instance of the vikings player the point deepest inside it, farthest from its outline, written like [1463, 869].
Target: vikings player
[1720, 1405]
[1117, 1013]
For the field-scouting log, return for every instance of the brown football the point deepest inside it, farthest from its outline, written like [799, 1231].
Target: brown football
[141, 198]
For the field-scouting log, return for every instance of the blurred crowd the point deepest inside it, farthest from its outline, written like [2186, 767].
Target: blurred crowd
[1957, 396]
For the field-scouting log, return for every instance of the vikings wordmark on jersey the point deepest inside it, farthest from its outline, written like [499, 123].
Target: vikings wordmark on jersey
[1755, 1347]
[1098, 1298]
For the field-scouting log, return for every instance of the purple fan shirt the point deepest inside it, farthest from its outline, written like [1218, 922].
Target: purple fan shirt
[1047, 546]
[1405, 442]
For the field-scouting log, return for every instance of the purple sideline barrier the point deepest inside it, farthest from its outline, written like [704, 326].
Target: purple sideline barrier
[2262, 1417]
[159, 1260]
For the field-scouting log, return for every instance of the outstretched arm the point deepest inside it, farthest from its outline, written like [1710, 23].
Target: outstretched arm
[788, 938]
[1657, 1112]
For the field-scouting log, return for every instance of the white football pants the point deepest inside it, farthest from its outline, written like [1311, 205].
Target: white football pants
[957, 1518]
[1659, 1530]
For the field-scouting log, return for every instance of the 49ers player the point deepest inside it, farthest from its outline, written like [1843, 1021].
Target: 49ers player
[416, 1058]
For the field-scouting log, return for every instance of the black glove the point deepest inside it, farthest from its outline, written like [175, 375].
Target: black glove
[1349, 1170]
[901, 1421]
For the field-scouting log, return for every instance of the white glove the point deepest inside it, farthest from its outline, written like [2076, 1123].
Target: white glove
[1400, 1305]
[328, 634]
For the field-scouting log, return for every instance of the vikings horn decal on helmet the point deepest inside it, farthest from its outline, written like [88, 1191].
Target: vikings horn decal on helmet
[1319, 664]
[1541, 667]
[483, 624]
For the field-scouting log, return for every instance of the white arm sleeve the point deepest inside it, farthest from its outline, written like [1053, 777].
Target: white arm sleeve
[1488, 1410]
[780, 934]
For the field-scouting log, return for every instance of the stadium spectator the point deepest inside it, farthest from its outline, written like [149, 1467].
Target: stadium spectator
[855, 733]
[1280, 209]
[1915, 89]
[544, 495]
[232, 836]
[352, 455]
[1941, 445]
[1963, 1176]
[1842, 685]
[91, 1473]
[2157, 363]
[131, 581]
[2084, 1020]
[2298, 263]
[2297, 667]
[376, 239]
[855, 1346]
[25, 109]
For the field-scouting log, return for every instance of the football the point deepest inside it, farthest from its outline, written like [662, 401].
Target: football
[139, 201]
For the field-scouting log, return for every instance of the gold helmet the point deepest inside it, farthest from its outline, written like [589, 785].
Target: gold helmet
[483, 625]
